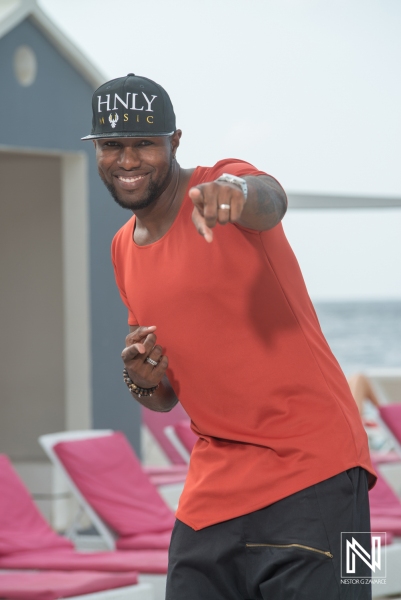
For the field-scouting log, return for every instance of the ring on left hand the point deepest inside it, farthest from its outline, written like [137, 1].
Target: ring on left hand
[152, 362]
[224, 206]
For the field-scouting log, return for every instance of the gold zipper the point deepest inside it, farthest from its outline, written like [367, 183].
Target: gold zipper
[329, 554]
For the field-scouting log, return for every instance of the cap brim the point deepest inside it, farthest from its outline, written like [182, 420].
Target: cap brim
[122, 134]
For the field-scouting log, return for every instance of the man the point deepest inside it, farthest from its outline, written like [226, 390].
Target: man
[220, 319]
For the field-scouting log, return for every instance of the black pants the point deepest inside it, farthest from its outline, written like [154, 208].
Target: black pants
[287, 551]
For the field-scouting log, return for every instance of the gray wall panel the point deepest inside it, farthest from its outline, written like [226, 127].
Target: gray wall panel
[54, 113]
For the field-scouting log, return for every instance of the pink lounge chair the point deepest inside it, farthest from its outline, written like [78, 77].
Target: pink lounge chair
[390, 415]
[182, 438]
[380, 458]
[28, 542]
[111, 486]
[385, 507]
[82, 586]
[166, 475]
[156, 422]
[185, 434]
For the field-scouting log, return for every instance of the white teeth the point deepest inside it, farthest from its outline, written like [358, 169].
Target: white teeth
[130, 179]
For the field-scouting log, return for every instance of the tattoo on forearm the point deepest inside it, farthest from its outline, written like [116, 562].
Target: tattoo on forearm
[265, 204]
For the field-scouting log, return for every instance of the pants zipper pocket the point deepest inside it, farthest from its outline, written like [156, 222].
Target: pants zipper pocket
[328, 554]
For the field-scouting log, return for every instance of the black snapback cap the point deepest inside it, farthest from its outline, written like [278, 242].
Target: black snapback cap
[131, 106]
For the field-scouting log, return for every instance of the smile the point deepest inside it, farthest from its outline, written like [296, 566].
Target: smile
[130, 182]
[131, 179]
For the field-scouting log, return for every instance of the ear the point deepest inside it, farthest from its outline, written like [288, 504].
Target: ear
[175, 141]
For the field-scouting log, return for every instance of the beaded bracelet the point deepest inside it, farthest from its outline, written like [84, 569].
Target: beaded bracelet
[135, 389]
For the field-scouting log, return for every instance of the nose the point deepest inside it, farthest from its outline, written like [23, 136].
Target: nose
[129, 158]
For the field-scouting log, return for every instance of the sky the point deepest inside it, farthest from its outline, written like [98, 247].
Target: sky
[306, 90]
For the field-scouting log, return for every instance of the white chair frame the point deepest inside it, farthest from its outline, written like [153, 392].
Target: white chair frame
[48, 442]
[176, 442]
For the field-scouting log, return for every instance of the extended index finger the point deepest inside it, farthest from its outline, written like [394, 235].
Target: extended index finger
[200, 224]
[196, 195]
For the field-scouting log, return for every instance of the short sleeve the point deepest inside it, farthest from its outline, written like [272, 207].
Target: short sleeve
[233, 166]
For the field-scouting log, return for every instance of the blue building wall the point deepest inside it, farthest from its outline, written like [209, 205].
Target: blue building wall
[54, 113]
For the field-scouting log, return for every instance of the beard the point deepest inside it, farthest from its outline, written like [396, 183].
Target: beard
[154, 190]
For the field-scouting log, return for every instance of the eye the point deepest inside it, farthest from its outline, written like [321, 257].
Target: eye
[145, 143]
[107, 144]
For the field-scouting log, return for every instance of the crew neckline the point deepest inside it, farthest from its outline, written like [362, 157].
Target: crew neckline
[175, 219]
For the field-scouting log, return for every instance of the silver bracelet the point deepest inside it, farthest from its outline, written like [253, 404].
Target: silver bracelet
[237, 181]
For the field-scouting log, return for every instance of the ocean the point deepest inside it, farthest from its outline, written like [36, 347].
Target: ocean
[362, 335]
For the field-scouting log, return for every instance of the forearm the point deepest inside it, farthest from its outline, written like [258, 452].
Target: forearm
[266, 203]
[162, 400]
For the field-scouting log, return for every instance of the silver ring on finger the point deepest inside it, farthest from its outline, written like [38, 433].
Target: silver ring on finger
[152, 362]
[224, 206]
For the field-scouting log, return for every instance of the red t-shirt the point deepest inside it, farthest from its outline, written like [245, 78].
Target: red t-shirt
[247, 359]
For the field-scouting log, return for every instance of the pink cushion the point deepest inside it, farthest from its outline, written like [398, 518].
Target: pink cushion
[185, 434]
[158, 480]
[22, 526]
[147, 541]
[144, 561]
[54, 585]
[152, 470]
[157, 421]
[110, 477]
[391, 415]
[167, 475]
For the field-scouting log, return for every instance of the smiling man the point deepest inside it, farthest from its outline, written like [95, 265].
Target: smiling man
[220, 319]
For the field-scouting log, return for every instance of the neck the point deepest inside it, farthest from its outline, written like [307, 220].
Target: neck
[155, 220]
